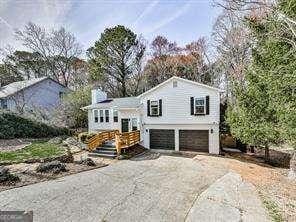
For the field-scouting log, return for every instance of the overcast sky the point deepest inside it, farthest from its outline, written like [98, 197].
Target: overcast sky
[179, 20]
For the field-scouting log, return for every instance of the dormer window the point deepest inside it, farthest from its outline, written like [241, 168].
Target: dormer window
[154, 108]
[199, 105]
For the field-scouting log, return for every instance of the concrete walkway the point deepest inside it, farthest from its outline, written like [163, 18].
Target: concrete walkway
[228, 199]
[150, 188]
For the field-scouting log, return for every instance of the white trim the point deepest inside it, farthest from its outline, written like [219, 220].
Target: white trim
[181, 79]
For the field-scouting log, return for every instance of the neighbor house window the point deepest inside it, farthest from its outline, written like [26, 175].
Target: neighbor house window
[61, 94]
[134, 124]
[200, 105]
[115, 116]
[154, 108]
[107, 115]
[101, 116]
[3, 103]
[96, 116]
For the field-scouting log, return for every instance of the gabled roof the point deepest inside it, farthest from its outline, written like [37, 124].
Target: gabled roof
[180, 79]
[116, 103]
[15, 87]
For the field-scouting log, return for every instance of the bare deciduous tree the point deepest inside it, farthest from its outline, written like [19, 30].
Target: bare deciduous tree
[58, 48]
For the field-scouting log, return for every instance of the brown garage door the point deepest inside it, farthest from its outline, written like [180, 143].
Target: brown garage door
[197, 140]
[162, 139]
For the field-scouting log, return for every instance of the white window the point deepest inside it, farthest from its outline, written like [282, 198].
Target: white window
[154, 108]
[199, 105]
[101, 116]
[96, 116]
[107, 115]
[134, 124]
[115, 116]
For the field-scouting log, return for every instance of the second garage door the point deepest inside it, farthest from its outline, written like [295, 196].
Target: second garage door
[162, 139]
[196, 140]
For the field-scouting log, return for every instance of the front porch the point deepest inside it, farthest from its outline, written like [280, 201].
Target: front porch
[111, 143]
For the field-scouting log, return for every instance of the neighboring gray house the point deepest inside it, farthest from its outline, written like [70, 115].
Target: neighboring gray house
[32, 95]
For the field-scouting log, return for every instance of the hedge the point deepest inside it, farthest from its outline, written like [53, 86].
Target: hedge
[15, 126]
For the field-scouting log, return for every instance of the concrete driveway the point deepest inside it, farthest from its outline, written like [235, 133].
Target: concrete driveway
[145, 189]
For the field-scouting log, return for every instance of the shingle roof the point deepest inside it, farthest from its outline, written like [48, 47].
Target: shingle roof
[119, 103]
[15, 87]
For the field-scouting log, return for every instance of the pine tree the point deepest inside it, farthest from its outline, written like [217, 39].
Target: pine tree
[264, 112]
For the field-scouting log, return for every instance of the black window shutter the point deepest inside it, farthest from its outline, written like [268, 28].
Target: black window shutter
[160, 107]
[148, 107]
[207, 105]
[192, 105]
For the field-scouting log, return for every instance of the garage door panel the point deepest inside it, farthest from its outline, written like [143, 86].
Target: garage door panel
[162, 139]
[197, 140]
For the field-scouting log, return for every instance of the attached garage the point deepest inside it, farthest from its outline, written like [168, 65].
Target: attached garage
[194, 140]
[162, 139]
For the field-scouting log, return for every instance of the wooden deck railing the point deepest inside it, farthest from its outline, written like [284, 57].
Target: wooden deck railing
[101, 137]
[125, 140]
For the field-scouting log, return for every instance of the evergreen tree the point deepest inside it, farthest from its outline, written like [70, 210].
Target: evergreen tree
[116, 59]
[264, 112]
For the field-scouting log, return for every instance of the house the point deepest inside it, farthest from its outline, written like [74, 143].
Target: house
[177, 114]
[38, 93]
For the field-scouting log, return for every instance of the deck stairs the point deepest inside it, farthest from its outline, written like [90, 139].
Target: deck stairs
[107, 150]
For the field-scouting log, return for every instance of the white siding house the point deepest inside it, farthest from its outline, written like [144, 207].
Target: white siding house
[39, 93]
[178, 114]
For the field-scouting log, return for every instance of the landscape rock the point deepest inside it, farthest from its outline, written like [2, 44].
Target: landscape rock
[121, 157]
[74, 144]
[55, 140]
[6, 176]
[53, 166]
[87, 161]
[68, 157]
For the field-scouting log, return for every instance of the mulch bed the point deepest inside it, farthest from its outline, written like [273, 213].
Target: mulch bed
[133, 151]
[31, 177]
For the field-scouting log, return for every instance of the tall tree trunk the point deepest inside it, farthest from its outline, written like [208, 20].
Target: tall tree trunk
[266, 154]
[292, 172]
[123, 89]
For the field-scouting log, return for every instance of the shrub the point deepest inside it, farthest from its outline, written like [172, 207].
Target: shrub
[69, 113]
[53, 166]
[85, 136]
[15, 126]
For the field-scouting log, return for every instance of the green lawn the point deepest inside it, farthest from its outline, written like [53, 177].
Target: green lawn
[35, 150]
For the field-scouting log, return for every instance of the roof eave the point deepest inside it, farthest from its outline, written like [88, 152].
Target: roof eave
[178, 78]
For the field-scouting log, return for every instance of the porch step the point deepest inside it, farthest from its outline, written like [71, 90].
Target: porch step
[105, 151]
[109, 143]
[106, 148]
[102, 155]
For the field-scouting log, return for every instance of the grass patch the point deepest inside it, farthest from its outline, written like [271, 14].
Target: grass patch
[273, 210]
[40, 149]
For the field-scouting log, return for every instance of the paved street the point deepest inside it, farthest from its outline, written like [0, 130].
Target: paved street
[146, 189]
